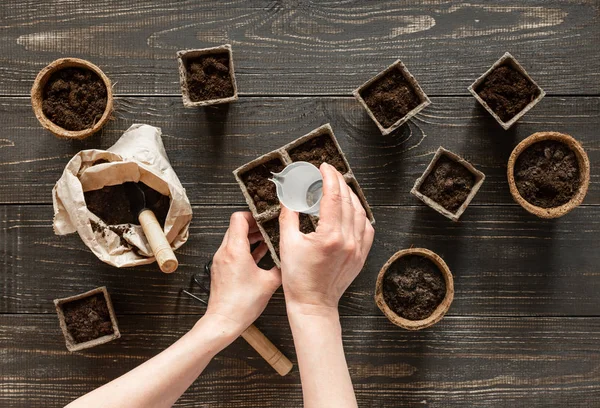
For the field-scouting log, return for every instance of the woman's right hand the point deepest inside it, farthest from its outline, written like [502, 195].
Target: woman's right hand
[317, 268]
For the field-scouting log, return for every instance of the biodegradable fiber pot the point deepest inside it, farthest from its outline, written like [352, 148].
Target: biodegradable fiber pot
[183, 59]
[71, 343]
[584, 174]
[37, 96]
[441, 309]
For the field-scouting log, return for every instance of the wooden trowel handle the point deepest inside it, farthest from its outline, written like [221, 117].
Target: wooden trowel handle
[267, 350]
[158, 242]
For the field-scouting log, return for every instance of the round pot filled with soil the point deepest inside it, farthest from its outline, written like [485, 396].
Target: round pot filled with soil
[548, 174]
[72, 98]
[414, 288]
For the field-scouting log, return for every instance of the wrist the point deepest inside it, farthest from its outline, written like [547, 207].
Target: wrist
[221, 329]
[311, 309]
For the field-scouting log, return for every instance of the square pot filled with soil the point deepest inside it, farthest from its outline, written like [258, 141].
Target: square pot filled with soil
[392, 97]
[316, 147]
[87, 320]
[207, 76]
[260, 193]
[414, 288]
[72, 98]
[448, 184]
[506, 91]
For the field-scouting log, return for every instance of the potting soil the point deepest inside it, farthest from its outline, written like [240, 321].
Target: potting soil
[507, 91]
[448, 184]
[208, 77]
[317, 151]
[547, 174]
[413, 287]
[74, 98]
[259, 187]
[390, 98]
[88, 318]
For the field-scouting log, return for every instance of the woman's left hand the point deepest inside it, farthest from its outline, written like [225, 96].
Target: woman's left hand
[239, 289]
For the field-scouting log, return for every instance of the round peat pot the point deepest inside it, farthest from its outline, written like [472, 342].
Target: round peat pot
[37, 97]
[584, 174]
[439, 311]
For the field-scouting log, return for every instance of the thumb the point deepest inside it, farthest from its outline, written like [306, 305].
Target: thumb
[289, 222]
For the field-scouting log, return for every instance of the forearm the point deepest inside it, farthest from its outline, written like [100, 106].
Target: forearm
[160, 381]
[319, 349]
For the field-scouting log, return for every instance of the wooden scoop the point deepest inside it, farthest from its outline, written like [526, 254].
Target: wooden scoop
[154, 233]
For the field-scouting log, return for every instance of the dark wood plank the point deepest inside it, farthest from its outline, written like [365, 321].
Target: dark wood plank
[300, 47]
[206, 146]
[504, 262]
[461, 362]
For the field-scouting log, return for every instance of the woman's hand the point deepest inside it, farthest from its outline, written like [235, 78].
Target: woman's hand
[239, 289]
[317, 268]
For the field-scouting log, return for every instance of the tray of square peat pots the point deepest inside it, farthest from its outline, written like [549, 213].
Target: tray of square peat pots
[506, 91]
[391, 97]
[317, 147]
[548, 174]
[88, 319]
[207, 76]
[448, 184]
[72, 98]
[414, 288]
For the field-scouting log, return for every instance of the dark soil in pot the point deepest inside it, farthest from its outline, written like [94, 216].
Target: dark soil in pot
[319, 150]
[208, 77]
[413, 287]
[448, 184]
[112, 205]
[88, 318]
[547, 174]
[263, 191]
[390, 98]
[507, 92]
[74, 98]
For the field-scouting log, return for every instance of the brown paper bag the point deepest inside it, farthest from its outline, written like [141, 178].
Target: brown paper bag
[139, 155]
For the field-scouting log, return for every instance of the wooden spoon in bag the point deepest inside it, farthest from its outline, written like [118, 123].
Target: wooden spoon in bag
[165, 257]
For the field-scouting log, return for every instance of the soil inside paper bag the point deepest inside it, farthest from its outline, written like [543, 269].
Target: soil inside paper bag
[112, 205]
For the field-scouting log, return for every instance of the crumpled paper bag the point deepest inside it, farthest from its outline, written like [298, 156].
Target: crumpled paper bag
[139, 155]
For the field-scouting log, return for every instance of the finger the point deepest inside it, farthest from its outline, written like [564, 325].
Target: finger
[259, 252]
[255, 237]
[239, 228]
[330, 210]
[347, 206]
[368, 236]
[289, 222]
[359, 217]
[275, 274]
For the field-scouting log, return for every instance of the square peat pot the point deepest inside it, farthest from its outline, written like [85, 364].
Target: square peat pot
[392, 97]
[448, 184]
[316, 147]
[207, 76]
[88, 319]
[490, 91]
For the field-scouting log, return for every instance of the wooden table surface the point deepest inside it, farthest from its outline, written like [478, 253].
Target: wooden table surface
[524, 328]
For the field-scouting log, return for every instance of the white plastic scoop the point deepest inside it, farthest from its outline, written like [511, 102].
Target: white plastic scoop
[300, 187]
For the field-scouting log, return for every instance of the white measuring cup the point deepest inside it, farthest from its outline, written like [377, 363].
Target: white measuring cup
[300, 187]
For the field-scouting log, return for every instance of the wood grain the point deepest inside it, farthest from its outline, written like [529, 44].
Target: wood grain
[204, 146]
[504, 262]
[306, 47]
[461, 362]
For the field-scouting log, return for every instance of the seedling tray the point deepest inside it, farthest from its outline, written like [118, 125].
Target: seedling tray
[266, 216]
